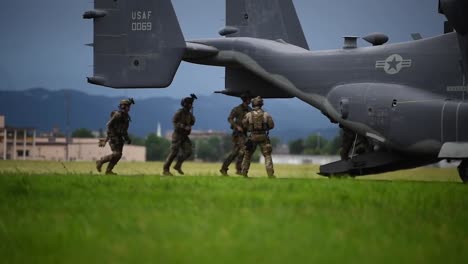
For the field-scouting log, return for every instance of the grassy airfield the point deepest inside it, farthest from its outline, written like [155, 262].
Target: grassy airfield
[53, 212]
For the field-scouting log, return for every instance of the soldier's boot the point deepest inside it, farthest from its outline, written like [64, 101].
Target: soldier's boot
[167, 173]
[245, 170]
[239, 167]
[102, 161]
[239, 171]
[99, 165]
[244, 173]
[178, 167]
[109, 169]
[168, 162]
[271, 173]
[224, 168]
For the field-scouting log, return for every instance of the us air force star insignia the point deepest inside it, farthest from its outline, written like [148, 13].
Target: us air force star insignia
[393, 64]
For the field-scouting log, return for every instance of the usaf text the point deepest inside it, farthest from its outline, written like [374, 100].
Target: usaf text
[141, 21]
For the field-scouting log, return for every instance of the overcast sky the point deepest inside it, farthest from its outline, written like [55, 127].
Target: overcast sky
[42, 43]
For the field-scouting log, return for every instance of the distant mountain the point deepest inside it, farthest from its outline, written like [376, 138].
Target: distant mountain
[44, 110]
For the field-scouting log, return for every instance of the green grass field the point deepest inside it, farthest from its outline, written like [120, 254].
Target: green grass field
[54, 212]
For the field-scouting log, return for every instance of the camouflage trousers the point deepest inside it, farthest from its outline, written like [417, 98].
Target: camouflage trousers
[116, 144]
[266, 149]
[238, 151]
[346, 144]
[353, 143]
[181, 147]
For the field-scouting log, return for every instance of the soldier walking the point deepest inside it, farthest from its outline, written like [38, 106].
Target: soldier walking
[258, 124]
[181, 146]
[117, 135]
[239, 135]
[352, 141]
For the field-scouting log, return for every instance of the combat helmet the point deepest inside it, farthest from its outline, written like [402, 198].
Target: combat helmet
[128, 101]
[245, 96]
[188, 100]
[257, 101]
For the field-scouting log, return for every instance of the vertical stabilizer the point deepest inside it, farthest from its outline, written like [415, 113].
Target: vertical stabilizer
[267, 19]
[456, 12]
[137, 43]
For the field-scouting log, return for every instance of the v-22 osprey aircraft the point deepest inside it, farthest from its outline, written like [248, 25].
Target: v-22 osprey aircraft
[406, 99]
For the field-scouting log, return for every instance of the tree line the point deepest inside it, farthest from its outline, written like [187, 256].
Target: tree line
[315, 144]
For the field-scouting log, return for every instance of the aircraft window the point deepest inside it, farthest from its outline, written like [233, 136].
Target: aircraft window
[369, 109]
[246, 16]
[136, 63]
[394, 103]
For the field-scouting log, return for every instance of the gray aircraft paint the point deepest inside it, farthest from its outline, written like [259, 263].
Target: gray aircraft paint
[365, 86]
[408, 98]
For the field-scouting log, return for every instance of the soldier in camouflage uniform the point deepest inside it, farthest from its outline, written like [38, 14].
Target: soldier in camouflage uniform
[181, 146]
[346, 142]
[258, 124]
[353, 144]
[239, 135]
[117, 135]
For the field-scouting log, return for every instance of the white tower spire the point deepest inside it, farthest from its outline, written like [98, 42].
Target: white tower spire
[158, 130]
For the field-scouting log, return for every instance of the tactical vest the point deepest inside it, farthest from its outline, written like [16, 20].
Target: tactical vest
[118, 126]
[181, 119]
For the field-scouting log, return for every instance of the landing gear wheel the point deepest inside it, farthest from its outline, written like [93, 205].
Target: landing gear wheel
[463, 171]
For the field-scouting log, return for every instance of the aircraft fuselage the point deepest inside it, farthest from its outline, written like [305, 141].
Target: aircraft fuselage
[407, 96]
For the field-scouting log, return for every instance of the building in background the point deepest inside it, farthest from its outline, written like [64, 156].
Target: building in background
[200, 134]
[82, 149]
[22, 143]
[16, 142]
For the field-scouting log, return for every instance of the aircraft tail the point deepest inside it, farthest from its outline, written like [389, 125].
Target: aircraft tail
[137, 43]
[267, 19]
[455, 11]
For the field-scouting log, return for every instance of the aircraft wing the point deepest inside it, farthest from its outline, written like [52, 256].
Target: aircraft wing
[265, 19]
[262, 19]
[251, 67]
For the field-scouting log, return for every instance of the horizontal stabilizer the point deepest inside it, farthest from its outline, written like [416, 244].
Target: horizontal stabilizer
[266, 19]
[137, 43]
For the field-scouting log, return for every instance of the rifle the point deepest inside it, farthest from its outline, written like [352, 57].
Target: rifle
[194, 97]
[249, 145]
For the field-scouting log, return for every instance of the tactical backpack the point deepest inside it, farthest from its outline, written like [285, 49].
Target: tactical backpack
[258, 121]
